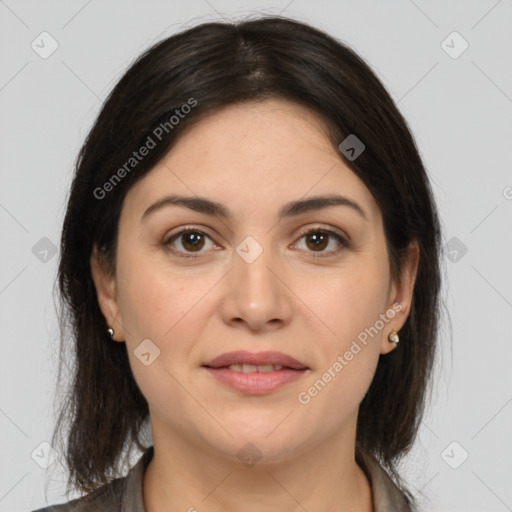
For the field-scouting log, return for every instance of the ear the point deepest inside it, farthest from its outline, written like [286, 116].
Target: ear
[401, 295]
[106, 292]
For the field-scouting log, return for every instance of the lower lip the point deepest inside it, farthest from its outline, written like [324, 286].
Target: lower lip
[255, 383]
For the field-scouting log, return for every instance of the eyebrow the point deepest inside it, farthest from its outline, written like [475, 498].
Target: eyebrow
[291, 209]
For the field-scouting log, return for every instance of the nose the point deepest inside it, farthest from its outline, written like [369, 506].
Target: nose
[256, 295]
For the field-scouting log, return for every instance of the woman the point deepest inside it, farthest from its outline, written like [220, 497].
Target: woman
[250, 265]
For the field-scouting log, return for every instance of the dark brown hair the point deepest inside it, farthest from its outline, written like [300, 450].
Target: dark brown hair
[215, 65]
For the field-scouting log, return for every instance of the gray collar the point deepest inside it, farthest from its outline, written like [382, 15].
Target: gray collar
[132, 498]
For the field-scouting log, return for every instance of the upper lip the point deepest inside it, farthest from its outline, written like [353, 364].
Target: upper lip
[259, 358]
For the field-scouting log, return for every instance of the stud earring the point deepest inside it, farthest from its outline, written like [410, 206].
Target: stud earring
[111, 332]
[393, 337]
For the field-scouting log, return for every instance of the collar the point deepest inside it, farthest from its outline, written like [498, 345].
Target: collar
[386, 495]
[132, 497]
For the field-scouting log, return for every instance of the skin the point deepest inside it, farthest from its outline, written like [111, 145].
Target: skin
[253, 158]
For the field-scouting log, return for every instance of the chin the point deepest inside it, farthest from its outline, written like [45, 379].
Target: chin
[261, 442]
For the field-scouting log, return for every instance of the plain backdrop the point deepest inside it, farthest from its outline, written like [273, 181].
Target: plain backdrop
[447, 65]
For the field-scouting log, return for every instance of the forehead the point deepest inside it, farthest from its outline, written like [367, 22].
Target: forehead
[253, 156]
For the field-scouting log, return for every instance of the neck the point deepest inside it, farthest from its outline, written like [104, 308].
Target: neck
[183, 476]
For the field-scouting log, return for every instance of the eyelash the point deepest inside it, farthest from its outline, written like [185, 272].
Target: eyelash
[343, 242]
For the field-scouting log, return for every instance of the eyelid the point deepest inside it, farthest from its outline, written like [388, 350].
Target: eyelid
[343, 240]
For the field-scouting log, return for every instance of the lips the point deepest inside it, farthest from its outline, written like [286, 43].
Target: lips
[261, 359]
[255, 373]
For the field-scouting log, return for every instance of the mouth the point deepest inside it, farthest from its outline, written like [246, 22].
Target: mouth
[255, 373]
[251, 368]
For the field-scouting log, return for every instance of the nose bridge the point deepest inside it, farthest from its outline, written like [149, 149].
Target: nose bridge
[256, 294]
[254, 264]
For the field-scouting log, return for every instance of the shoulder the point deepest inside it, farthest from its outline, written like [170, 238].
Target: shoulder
[105, 498]
[125, 493]
[386, 495]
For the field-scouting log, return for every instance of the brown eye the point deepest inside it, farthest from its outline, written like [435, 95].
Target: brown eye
[191, 241]
[317, 240]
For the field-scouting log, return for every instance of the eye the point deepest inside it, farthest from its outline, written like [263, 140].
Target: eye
[318, 239]
[193, 240]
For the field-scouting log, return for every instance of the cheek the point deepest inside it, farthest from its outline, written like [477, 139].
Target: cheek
[158, 306]
[164, 306]
[348, 301]
[151, 300]
[350, 304]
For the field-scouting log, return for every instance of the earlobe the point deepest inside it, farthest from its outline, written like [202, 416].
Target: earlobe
[106, 293]
[390, 343]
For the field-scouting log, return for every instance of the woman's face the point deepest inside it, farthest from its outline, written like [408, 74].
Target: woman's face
[253, 281]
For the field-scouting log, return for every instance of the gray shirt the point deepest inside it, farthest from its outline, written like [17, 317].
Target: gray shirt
[126, 494]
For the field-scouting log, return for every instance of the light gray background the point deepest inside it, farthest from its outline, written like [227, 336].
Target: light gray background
[460, 110]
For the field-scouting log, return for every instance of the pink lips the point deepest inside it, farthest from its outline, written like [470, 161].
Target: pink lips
[255, 383]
